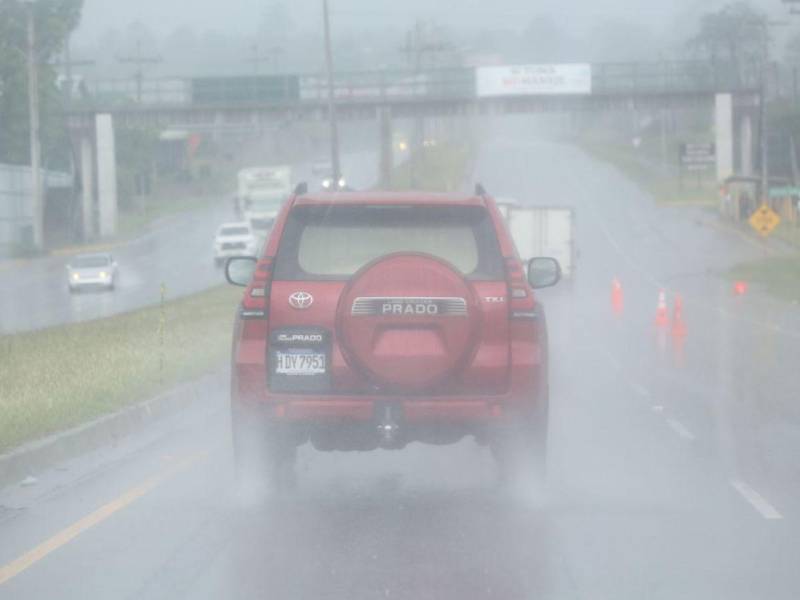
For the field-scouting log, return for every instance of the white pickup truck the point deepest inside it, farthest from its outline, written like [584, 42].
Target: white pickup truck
[542, 231]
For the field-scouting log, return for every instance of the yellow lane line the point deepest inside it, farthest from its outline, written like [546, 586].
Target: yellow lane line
[65, 536]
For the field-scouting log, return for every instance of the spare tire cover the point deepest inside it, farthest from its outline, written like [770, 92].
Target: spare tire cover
[408, 321]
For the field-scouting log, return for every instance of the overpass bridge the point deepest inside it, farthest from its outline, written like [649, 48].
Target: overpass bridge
[206, 103]
[248, 103]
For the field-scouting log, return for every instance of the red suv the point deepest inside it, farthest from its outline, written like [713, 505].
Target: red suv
[373, 320]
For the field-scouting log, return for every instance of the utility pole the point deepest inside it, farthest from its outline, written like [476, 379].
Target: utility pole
[140, 61]
[67, 63]
[36, 146]
[335, 160]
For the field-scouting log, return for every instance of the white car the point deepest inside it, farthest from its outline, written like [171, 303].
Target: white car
[92, 271]
[234, 239]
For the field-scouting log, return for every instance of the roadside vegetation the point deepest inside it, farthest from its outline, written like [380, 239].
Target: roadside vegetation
[779, 275]
[172, 198]
[439, 168]
[64, 376]
[151, 188]
[642, 166]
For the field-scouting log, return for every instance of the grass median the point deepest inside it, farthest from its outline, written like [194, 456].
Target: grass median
[440, 168]
[779, 275]
[60, 377]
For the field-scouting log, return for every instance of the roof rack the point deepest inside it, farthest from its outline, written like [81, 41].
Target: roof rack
[301, 189]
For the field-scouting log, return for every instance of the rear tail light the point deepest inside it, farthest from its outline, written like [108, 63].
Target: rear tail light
[517, 283]
[256, 297]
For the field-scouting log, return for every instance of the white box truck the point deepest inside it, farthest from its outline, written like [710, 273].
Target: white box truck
[261, 193]
[542, 231]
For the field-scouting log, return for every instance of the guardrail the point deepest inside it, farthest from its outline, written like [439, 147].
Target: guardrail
[458, 83]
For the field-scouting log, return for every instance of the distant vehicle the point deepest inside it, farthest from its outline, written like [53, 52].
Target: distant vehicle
[92, 271]
[261, 193]
[234, 239]
[375, 320]
[324, 170]
[330, 185]
[542, 231]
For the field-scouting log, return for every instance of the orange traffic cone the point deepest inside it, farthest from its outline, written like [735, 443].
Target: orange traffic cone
[617, 297]
[662, 319]
[678, 326]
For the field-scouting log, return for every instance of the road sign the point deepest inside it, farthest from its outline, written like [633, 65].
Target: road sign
[765, 220]
[698, 157]
[784, 192]
[534, 80]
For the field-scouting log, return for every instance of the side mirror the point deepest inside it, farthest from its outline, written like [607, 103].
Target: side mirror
[239, 270]
[543, 272]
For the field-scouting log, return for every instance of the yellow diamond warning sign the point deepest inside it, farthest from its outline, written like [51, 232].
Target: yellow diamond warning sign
[765, 220]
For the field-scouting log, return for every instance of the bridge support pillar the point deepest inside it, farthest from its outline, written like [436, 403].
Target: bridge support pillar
[87, 188]
[723, 127]
[106, 175]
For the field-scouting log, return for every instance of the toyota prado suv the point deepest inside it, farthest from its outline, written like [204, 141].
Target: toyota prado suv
[373, 320]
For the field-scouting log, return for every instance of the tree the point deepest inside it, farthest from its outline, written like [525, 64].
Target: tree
[792, 50]
[735, 39]
[54, 20]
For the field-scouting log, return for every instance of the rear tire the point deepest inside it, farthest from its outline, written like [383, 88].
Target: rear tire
[520, 451]
[264, 456]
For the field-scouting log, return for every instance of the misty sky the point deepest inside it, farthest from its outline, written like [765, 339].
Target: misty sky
[237, 16]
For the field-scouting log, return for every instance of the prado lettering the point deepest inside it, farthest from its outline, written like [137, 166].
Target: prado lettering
[409, 309]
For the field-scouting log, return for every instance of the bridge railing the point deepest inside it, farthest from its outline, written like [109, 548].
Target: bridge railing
[672, 77]
[683, 77]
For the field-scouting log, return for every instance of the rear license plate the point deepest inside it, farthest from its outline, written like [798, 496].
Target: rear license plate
[300, 363]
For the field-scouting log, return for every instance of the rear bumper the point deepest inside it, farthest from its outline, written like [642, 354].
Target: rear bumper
[234, 253]
[333, 409]
[88, 284]
[412, 411]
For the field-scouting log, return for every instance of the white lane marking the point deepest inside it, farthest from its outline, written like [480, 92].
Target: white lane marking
[756, 500]
[680, 429]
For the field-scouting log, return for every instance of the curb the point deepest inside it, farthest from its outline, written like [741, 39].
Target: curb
[34, 457]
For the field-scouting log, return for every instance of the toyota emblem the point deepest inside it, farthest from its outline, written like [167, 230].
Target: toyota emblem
[301, 300]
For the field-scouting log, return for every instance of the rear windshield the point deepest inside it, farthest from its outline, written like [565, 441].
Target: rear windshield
[234, 231]
[334, 242]
[90, 262]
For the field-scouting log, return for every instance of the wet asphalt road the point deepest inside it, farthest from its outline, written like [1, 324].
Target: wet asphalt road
[673, 466]
[177, 251]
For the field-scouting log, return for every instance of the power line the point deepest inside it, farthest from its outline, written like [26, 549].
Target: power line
[140, 61]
